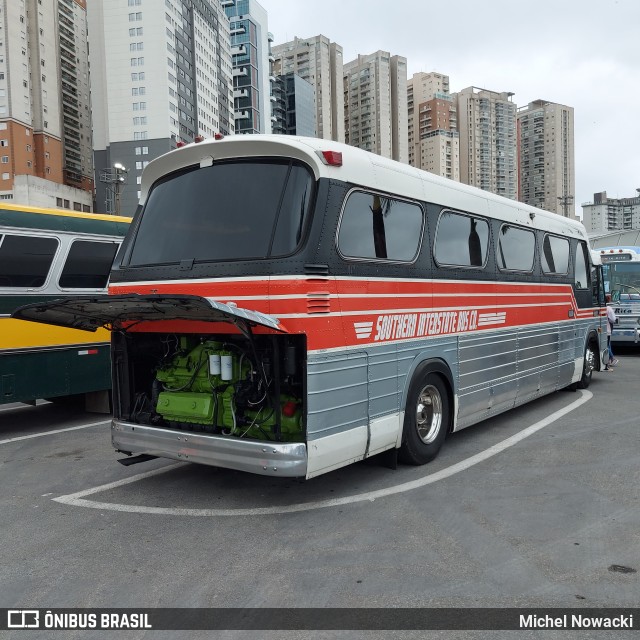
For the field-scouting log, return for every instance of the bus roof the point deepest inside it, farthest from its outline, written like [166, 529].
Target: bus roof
[27, 217]
[633, 250]
[360, 168]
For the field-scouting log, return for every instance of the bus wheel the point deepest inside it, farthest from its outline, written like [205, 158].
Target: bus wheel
[426, 419]
[589, 364]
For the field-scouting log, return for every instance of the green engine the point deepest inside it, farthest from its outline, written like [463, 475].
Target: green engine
[217, 387]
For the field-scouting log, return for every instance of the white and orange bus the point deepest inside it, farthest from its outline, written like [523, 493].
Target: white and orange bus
[287, 306]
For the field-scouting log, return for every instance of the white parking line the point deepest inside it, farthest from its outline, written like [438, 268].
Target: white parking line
[51, 433]
[77, 499]
[22, 406]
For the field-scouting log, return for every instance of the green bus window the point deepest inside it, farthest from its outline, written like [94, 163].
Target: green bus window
[25, 260]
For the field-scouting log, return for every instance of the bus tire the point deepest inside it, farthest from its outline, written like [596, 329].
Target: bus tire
[426, 419]
[588, 365]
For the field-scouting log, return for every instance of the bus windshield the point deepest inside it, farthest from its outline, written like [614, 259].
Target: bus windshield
[622, 280]
[228, 211]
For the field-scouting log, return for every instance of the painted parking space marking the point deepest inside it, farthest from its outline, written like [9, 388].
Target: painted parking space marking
[54, 432]
[78, 499]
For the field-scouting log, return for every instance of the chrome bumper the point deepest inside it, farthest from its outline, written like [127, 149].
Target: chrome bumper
[264, 458]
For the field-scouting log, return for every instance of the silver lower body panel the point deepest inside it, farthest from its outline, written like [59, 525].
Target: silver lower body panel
[264, 458]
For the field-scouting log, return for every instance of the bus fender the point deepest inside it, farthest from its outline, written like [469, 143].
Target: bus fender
[430, 365]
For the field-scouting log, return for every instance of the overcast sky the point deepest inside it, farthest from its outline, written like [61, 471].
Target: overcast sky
[581, 53]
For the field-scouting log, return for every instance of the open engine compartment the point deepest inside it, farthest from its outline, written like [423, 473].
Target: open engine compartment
[224, 384]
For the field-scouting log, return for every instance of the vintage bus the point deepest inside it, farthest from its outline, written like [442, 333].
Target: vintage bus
[287, 306]
[621, 269]
[47, 254]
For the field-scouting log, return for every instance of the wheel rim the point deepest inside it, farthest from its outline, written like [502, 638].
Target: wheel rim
[589, 361]
[429, 414]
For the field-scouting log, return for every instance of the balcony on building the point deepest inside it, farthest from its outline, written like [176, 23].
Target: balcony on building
[239, 71]
[238, 50]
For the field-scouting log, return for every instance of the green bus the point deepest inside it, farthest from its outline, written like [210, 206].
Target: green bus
[46, 254]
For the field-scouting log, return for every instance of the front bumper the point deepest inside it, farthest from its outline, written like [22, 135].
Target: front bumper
[264, 458]
[630, 335]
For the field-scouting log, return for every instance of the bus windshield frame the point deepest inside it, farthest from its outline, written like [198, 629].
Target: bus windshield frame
[235, 210]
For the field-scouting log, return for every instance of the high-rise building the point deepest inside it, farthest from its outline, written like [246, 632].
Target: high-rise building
[434, 141]
[487, 126]
[375, 104]
[294, 106]
[611, 214]
[45, 117]
[546, 156]
[250, 51]
[160, 73]
[319, 61]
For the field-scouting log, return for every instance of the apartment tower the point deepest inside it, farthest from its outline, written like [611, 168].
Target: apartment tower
[375, 104]
[611, 214]
[318, 61]
[160, 73]
[294, 111]
[546, 157]
[487, 125]
[250, 52]
[45, 117]
[434, 141]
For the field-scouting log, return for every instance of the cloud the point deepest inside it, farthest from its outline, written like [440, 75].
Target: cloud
[581, 53]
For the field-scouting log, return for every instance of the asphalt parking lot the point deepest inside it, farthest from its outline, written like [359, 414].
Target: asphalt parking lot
[538, 507]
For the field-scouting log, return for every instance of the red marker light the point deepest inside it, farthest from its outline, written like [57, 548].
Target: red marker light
[180, 144]
[218, 136]
[333, 158]
[198, 139]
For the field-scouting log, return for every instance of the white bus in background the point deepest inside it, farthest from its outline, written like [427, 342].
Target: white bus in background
[621, 272]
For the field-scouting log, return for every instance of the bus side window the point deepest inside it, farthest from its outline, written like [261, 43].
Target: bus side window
[516, 249]
[377, 227]
[555, 255]
[88, 265]
[461, 240]
[25, 260]
[581, 276]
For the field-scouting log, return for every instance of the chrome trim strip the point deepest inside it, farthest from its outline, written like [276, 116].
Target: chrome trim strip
[264, 458]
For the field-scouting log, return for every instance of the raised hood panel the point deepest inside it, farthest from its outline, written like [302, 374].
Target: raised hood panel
[91, 314]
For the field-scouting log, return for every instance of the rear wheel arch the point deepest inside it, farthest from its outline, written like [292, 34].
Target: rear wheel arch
[436, 366]
[428, 412]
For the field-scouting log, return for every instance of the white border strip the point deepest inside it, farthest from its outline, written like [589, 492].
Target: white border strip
[77, 499]
[51, 433]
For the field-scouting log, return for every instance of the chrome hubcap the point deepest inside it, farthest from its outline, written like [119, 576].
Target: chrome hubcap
[429, 414]
[589, 361]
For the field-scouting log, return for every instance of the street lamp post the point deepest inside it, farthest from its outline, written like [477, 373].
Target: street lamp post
[565, 201]
[115, 178]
